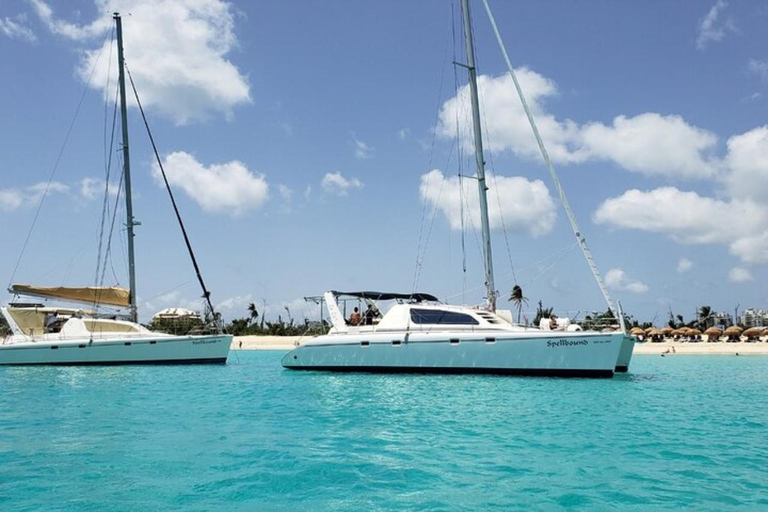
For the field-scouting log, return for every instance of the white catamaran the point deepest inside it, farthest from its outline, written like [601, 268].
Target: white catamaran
[420, 335]
[71, 336]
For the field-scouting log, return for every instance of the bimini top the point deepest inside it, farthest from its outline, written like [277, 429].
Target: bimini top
[415, 297]
[112, 296]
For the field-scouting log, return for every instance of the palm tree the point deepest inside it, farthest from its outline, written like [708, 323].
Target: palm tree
[704, 313]
[542, 312]
[254, 314]
[518, 300]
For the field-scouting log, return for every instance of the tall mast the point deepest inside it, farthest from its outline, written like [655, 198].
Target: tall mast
[481, 185]
[130, 222]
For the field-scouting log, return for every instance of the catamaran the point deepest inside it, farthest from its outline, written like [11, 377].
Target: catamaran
[52, 335]
[419, 334]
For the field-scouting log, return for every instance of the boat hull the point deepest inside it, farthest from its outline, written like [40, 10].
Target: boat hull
[625, 354]
[149, 350]
[568, 355]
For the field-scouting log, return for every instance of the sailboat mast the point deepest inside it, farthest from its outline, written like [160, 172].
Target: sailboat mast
[130, 222]
[481, 183]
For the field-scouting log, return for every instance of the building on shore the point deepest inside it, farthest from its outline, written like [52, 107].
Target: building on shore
[754, 318]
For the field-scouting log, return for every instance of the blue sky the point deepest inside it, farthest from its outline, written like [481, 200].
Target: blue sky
[312, 146]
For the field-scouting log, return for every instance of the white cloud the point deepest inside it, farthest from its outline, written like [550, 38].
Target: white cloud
[689, 218]
[648, 143]
[285, 192]
[219, 188]
[236, 303]
[363, 151]
[760, 68]
[526, 205]
[684, 265]
[18, 198]
[752, 249]
[404, 133]
[91, 188]
[505, 124]
[653, 145]
[618, 280]
[336, 183]
[17, 29]
[739, 275]
[747, 160]
[175, 49]
[712, 27]
[308, 192]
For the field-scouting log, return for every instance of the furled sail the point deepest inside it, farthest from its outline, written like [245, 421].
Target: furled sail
[108, 295]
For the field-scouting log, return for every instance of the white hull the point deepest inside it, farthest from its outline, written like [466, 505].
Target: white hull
[525, 353]
[625, 355]
[119, 351]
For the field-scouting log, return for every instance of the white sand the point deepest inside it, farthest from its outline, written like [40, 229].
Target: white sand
[267, 342]
[682, 348]
[742, 348]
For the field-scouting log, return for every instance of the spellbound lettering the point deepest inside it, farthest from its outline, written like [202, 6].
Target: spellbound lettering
[205, 342]
[566, 343]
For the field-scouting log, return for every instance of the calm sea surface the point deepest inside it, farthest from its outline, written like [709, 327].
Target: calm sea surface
[677, 432]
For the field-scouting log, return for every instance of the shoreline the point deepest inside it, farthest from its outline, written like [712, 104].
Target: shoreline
[286, 343]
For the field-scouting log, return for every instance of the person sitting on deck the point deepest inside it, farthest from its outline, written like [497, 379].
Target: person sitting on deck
[370, 314]
[553, 323]
[52, 323]
[354, 318]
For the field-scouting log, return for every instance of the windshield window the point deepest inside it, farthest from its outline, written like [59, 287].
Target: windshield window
[439, 316]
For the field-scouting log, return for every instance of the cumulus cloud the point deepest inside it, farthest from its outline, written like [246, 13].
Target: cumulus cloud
[336, 183]
[219, 188]
[237, 302]
[648, 143]
[713, 27]
[684, 265]
[18, 198]
[16, 28]
[689, 218]
[653, 145]
[739, 275]
[176, 50]
[92, 188]
[618, 280]
[526, 206]
[747, 160]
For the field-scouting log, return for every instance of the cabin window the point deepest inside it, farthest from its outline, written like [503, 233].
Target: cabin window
[440, 316]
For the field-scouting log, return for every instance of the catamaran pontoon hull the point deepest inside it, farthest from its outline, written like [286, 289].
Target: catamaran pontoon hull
[157, 350]
[571, 354]
[625, 354]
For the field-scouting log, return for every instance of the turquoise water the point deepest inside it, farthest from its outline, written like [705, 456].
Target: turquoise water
[678, 432]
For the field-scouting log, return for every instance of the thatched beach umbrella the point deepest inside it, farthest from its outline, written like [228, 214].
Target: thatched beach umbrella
[753, 333]
[648, 330]
[694, 334]
[713, 333]
[637, 331]
[666, 331]
[733, 333]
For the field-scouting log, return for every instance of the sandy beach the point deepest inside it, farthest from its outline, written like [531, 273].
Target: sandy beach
[702, 348]
[680, 348]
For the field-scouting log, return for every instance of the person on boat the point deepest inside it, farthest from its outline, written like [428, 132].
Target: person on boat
[370, 314]
[553, 323]
[354, 318]
[51, 323]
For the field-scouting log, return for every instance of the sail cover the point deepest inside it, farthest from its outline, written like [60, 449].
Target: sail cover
[108, 295]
